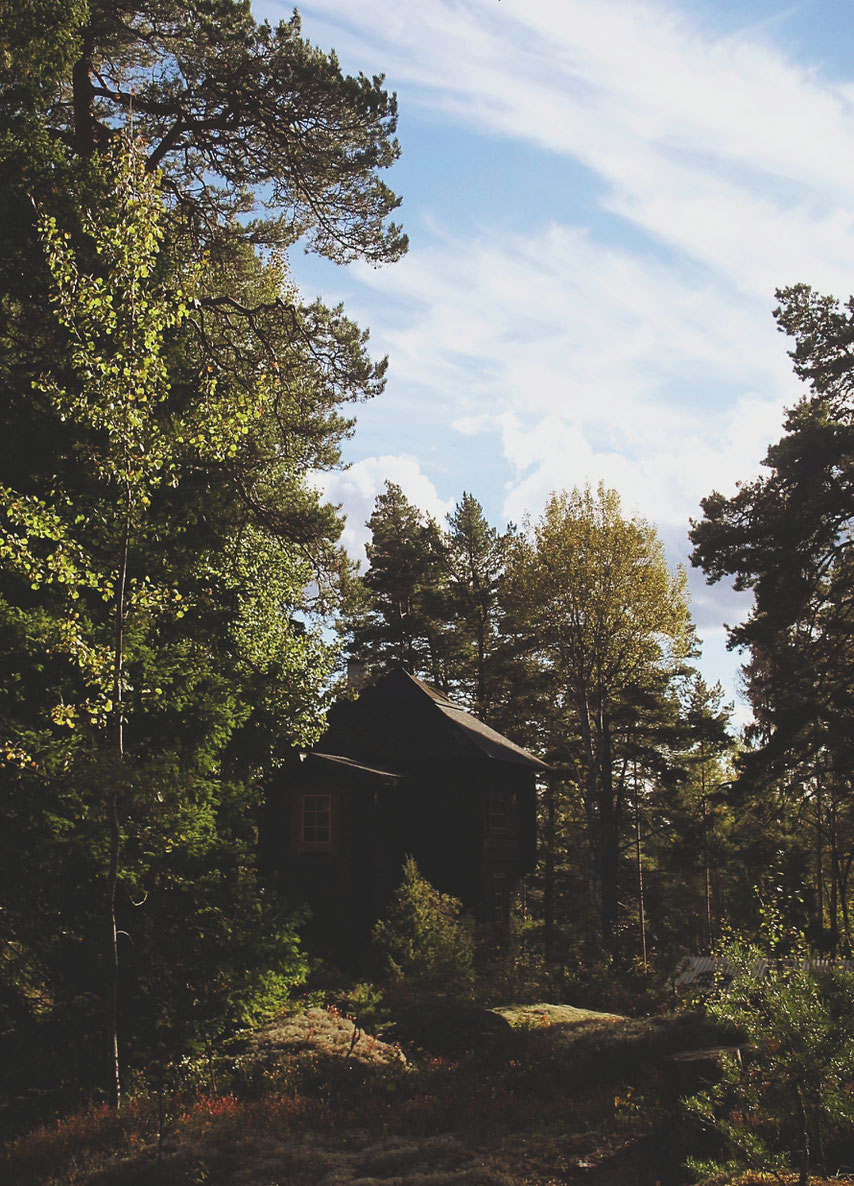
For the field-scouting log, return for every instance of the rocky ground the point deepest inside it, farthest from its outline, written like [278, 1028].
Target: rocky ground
[319, 1031]
[624, 1151]
[540, 1095]
[352, 1158]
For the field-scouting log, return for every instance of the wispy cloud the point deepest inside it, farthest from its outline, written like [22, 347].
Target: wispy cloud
[356, 489]
[718, 145]
[586, 363]
[730, 161]
[628, 337]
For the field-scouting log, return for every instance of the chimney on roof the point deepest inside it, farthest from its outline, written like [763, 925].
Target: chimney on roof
[357, 674]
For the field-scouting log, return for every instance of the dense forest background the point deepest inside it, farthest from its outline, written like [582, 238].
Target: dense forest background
[172, 582]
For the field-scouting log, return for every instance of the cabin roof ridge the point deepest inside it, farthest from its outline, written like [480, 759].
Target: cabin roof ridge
[487, 740]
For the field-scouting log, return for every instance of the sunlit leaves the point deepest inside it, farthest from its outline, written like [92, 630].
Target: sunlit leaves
[590, 596]
[607, 602]
[117, 316]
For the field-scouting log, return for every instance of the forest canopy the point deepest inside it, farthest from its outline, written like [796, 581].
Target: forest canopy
[165, 558]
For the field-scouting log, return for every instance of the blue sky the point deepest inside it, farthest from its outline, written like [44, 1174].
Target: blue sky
[601, 198]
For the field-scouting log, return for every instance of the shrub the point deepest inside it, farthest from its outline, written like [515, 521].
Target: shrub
[425, 942]
[780, 1105]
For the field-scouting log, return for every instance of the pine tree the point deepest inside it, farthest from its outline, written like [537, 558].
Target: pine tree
[475, 563]
[404, 617]
[82, 579]
[423, 939]
[786, 536]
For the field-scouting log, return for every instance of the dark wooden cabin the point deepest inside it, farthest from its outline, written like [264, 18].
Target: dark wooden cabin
[402, 770]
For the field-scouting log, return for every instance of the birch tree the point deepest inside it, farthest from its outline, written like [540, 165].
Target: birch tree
[591, 595]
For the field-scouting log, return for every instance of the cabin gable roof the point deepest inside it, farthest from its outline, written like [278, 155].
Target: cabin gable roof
[408, 716]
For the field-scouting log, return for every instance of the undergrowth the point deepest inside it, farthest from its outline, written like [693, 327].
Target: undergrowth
[538, 1079]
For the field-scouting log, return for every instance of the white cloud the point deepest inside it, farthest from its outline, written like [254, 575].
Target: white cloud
[630, 339]
[585, 364]
[660, 474]
[356, 490]
[717, 145]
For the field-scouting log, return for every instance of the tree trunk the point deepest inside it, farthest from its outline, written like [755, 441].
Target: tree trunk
[113, 988]
[113, 808]
[834, 877]
[819, 863]
[609, 823]
[707, 876]
[707, 879]
[594, 823]
[844, 875]
[483, 705]
[641, 905]
[804, 1178]
[596, 892]
[85, 127]
[610, 865]
[549, 882]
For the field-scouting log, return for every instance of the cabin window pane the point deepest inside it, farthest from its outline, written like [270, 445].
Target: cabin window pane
[316, 820]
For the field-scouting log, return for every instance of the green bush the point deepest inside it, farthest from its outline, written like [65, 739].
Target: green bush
[793, 1089]
[426, 944]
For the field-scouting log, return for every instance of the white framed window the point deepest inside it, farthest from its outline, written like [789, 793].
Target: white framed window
[316, 822]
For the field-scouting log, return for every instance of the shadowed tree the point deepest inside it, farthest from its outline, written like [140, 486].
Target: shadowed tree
[402, 618]
[475, 563]
[787, 537]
